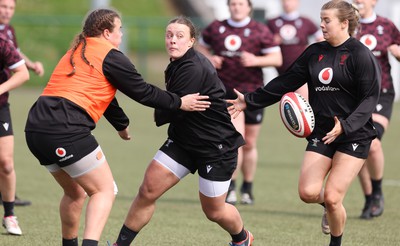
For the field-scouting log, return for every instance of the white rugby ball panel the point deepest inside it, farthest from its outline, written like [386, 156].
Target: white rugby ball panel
[297, 114]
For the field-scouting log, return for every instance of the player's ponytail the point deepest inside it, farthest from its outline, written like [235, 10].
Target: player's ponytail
[95, 23]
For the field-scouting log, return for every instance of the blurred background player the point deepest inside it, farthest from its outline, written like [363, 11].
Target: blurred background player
[13, 73]
[293, 32]
[239, 47]
[382, 37]
[7, 9]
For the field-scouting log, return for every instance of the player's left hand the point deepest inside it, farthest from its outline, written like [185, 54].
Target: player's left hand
[334, 133]
[238, 104]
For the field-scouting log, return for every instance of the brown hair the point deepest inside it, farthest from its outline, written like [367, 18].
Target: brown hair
[187, 22]
[248, 1]
[96, 22]
[346, 11]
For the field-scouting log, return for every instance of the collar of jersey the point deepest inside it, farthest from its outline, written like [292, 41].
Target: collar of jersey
[291, 16]
[369, 19]
[242, 23]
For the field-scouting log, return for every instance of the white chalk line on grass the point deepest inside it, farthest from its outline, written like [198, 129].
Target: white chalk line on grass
[391, 182]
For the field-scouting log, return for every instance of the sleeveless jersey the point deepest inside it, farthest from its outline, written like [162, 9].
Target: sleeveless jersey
[88, 87]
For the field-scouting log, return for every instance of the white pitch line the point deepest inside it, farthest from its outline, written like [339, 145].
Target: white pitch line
[391, 182]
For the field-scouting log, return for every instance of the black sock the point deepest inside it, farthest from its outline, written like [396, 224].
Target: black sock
[70, 242]
[232, 185]
[239, 237]
[376, 187]
[126, 236]
[8, 208]
[90, 242]
[336, 241]
[368, 199]
[246, 187]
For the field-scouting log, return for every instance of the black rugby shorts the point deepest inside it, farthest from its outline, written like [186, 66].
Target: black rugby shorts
[5, 121]
[253, 117]
[384, 106]
[63, 149]
[218, 168]
[358, 149]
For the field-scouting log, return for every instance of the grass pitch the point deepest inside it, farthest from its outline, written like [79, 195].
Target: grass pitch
[278, 217]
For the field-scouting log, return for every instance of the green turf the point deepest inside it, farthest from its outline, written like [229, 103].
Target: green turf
[278, 217]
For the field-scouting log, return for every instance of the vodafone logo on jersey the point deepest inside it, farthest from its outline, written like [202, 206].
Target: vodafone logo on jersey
[60, 152]
[233, 42]
[288, 32]
[325, 76]
[369, 41]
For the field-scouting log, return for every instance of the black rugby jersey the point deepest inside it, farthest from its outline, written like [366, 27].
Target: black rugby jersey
[206, 133]
[343, 81]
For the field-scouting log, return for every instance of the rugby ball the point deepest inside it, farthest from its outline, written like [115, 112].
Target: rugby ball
[297, 114]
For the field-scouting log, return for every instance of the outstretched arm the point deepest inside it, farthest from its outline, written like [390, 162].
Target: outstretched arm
[238, 104]
[123, 75]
